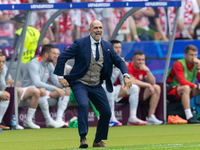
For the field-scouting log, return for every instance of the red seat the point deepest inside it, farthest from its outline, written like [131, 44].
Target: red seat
[38, 50]
[8, 51]
[67, 45]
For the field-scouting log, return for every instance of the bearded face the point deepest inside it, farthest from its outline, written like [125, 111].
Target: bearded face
[96, 30]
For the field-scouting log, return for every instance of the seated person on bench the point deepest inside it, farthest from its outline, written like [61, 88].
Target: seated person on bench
[149, 90]
[181, 81]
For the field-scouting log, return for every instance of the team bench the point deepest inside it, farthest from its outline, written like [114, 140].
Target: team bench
[121, 111]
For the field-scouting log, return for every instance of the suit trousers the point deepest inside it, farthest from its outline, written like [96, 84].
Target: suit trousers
[98, 97]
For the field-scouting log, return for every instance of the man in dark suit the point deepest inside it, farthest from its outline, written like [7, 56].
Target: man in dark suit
[94, 59]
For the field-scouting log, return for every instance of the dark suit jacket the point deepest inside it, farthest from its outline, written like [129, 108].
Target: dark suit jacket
[81, 50]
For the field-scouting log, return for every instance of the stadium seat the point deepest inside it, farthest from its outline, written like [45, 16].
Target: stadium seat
[8, 51]
[14, 68]
[66, 46]
[175, 108]
[38, 51]
[10, 111]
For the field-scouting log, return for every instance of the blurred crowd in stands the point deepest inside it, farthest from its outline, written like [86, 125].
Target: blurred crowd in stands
[145, 24]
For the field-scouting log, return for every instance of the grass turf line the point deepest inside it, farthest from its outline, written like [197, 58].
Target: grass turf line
[180, 146]
[125, 137]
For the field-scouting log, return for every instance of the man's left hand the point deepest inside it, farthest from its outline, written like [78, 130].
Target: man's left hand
[127, 82]
[63, 82]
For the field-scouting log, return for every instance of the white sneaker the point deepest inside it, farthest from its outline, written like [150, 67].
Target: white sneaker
[53, 124]
[114, 119]
[19, 127]
[153, 120]
[136, 121]
[60, 122]
[30, 124]
[114, 122]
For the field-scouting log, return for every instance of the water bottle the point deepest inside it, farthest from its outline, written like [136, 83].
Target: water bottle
[13, 123]
[194, 112]
[1, 130]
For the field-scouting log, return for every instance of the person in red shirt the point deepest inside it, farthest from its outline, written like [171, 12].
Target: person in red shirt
[149, 90]
[181, 78]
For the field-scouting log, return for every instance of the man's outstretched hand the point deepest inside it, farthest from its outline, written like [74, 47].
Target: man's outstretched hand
[63, 82]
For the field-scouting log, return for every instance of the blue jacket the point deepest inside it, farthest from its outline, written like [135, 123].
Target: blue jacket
[81, 51]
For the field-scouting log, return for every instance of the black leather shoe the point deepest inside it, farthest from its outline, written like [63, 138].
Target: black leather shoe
[83, 144]
[192, 121]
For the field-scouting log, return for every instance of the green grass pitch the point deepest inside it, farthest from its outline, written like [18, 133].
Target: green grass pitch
[173, 137]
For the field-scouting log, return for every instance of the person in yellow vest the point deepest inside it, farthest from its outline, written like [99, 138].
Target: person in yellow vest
[181, 81]
[31, 39]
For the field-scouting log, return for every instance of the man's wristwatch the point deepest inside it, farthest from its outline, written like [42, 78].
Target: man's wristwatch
[126, 75]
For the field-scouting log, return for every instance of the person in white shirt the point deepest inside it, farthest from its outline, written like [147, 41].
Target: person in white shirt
[188, 19]
[83, 19]
[23, 94]
[37, 73]
[7, 29]
[128, 31]
[104, 15]
[120, 91]
[62, 102]
[4, 95]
